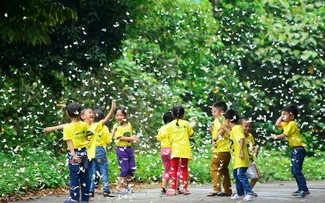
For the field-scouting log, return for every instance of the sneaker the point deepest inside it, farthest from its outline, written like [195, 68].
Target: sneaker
[296, 193]
[248, 198]
[303, 193]
[108, 194]
[255, 194]
[69, 200]
[236, 197]
[130, 190]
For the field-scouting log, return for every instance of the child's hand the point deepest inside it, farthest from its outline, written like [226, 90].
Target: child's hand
[273, 136]
[214, 144]
[48, 129]
[192, 122]
[76, 158]
[113, 104]
[135, 139]
[241, 154]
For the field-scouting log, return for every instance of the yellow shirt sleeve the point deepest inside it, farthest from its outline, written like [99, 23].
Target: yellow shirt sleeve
[163, 137]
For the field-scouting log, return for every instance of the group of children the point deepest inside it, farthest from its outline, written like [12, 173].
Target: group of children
[86, 141]
[231, 137]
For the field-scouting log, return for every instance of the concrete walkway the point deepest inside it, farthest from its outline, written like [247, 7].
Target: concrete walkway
[267, 193]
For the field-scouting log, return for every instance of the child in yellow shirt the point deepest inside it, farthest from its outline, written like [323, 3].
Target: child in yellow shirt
[287, 123]
[221, 152]
[123, 135]
[179, 132]
[166, 150]
[252, 171]
[76, 138]
[241, 157]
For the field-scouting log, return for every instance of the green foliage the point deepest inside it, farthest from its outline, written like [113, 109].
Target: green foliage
[29, 169]
[31, 21]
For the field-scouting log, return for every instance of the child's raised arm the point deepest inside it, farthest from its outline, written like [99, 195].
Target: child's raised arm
[113, 106]
[278, 122]
[57, 127]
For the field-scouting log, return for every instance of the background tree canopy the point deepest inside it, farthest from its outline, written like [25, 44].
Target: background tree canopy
[258, 56]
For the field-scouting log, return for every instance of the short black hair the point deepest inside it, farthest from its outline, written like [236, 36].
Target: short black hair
[122, 109]
[74, 110]
[292, 109]
[168, 117]
[232, 115]
[99, 115]
[220, 105]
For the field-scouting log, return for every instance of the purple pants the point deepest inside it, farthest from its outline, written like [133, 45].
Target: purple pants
[126, 162]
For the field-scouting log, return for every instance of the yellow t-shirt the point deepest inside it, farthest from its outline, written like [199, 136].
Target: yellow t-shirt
[223, 142]
[292, 133]
[77, 133]
[179, 138]
[163, 137]
[95, 128]
[103, 137]
[123, 131]
[237, 133]
[250, 143]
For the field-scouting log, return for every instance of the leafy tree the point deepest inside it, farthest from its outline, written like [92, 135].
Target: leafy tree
[30, 22]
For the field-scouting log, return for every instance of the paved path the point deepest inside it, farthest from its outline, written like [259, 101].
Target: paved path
[267, 193]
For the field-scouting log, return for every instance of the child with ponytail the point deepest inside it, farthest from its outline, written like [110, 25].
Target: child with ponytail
[179, 132]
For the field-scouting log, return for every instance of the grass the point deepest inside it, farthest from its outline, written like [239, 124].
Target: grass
[34, 169]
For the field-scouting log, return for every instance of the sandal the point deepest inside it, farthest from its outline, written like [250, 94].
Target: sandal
[163, 191]
[91, 194]
[222, 194]
[108, 194]
[123, 191]
[212, 194]
[186, 191]
[170, 192]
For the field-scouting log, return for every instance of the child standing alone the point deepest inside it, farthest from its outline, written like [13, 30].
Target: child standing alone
[75, 135]
[179, 132]
[122, 133]
[221, 153]
[287, 123]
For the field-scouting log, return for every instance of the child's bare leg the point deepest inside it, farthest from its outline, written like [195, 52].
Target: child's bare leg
[128, 180]
[253, 182]
[122, 183]
[164, 183]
